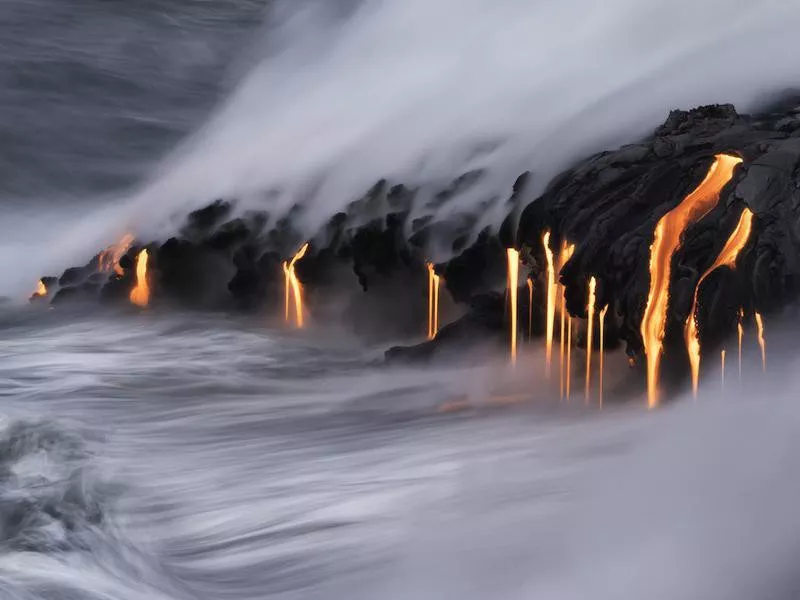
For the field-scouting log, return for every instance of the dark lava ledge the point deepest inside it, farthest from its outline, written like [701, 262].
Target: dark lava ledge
[607, 205]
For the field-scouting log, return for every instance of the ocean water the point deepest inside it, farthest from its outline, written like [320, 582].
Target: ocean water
[192, 456]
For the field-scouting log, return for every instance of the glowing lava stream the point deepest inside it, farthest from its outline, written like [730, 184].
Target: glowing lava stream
[602, 349]
[140, 295]
[551, 303]
[740, 332]
[433, 302]
[530, 308]
[722, 356]
[109, 258]
[666, 240]
[761, 342]
[564, 255]
[293, 288]
[568, 375]
[513, 283]
[589, 333]
[41, 289]
[726, 258]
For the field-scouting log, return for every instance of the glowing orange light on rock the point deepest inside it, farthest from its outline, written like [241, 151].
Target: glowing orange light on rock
[726, 258]
[589, 334]
[761, 341]
[530, 308]
[513, 284]
[551, 302]
[140, 295]
[602, 349]
[666, 240]
[293, 290]
[722, 356]
[740, 332]
[433, 302]
[109, 258]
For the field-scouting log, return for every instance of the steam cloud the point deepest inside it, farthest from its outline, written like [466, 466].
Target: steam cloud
[418, 91]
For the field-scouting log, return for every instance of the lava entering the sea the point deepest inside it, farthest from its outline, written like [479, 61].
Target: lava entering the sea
[602, 351]
[41, 290]
[293, 288]
[530, 309]
[726, 258]
[109, 258]
[551, 303]
[666, 240]
[589, 332]
[433, 302]
[513, 284]
[762, 343]
[140, 295]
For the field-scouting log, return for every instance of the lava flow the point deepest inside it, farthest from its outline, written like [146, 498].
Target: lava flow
[513, 283]
[530, 309]
[740, 332]
[564, 255]
[722, 356]
[433, 302]
[589, 333]
[666, 240]
[293, 289]
[41, 290]
[109, 258]
[726, 258]
[568, 375]
[140, 295]
[761, 341]
[602, 350]
[551, 302]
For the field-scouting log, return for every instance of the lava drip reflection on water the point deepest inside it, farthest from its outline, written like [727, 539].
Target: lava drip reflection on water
[551, 303]
[761, 341]
[602, 351]
[666, 240]
[140, 295]
[589, 336]
[513, 284]
[293, 289]
[726, 258]
[433, 302]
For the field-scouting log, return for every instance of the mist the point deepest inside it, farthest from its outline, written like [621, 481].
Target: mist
[419, 91]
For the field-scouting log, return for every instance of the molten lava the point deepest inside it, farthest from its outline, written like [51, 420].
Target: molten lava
[293, 289]
[564, 255]
[568, 375]
[433, 302]
[726, 258]
[602, 349]
[740, 332]
[41, 290]
[761, 342]
[513, 284]
[589, 332]
[551, 303]
[530, 309]
[109, 258]
[722, 356]
[666, 240]
[140, 295]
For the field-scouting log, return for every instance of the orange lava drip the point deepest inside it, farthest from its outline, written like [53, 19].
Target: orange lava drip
[761, 341]
[41, 289]
[666, 240]
[293, 289]
[513, 284]
[433, 302]
[589, 333]
[726, 258]
[740, 332]
[140, 295]
[530, 308]
[551, 303]
[602, 350]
